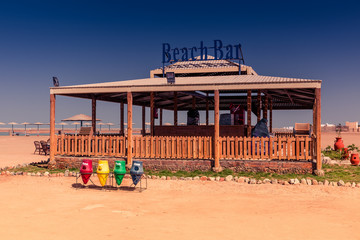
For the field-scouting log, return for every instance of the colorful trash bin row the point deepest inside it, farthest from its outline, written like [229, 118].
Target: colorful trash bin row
[103, 171]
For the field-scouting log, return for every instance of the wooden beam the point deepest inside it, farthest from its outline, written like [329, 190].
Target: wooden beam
[207, 109]
[287, 93]
[258, 112]
[122, 118]
[175, 109]
[129, 129]
[52, 129]
[217, 166]
[193, 102]
[93, 115]
[266, 105]
[249, 113]
[143, 121]
[161, 117]
[318, 128]
[271, 120]
[152, 118]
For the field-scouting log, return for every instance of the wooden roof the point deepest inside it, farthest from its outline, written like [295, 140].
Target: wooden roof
[286, 93]
[204, 68]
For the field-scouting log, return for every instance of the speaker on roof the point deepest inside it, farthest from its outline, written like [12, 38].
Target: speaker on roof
[55, 82]
[170, 77]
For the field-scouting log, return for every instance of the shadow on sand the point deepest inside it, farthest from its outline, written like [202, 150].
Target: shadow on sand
[106, 187]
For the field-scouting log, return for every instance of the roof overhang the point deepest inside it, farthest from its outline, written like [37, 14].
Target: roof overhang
[287, 93]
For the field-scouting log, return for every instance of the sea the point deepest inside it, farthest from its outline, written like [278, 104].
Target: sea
[23, 134]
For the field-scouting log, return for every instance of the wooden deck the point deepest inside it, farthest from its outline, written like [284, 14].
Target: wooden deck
[162, 147]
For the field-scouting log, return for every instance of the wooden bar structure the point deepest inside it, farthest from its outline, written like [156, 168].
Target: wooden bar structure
[199, 89]
[266, 105]
[122, 129]
[152, 109]
[93, 114]
[129, 129]
[258, 106]
[52, 127]
[217, 132]
[318, 127]
[207, 110]
[143, 128]
[175, 109]
[248, 112]
[161, 117]
[271, 119]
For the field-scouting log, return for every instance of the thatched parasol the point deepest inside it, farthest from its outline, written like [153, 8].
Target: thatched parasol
[79, 118]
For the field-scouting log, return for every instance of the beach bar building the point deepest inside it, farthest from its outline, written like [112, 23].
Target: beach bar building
[204, 86]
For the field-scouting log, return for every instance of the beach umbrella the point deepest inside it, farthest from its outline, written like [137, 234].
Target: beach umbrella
[1, 123]
[62, 125]
[79, 118]
[101, 124]
[76, 123]
[38, 126]
[167, 124]
[12, 126]
[25, 123]
[110, 124]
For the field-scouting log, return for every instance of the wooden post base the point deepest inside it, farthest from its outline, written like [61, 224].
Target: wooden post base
[320, 173]
[217, 169]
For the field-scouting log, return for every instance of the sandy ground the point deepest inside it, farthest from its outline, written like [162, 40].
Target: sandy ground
[328, 138]
[19, 149]
[53, 208]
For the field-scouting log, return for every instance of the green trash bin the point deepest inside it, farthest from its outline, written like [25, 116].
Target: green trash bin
[119, 171]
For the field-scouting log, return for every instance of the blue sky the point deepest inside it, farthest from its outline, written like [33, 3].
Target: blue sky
[99, 41]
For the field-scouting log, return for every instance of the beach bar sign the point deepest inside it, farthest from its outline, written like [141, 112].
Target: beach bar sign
[218, 50]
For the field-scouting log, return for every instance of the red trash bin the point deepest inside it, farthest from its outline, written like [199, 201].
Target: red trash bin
[86, 170]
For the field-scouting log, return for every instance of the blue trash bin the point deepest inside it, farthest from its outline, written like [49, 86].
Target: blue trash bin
[136, 171]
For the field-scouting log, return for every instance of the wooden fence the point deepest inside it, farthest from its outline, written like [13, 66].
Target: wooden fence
[173, 147]
[114, 146]
[242, 148]
[279, 148]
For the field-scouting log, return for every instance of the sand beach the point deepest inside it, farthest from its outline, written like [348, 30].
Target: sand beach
[52, 207]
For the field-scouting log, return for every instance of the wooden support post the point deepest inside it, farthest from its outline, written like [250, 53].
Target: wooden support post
[258, 112]
[93, 115]
[314, 117]
[193, 102]
[249, 113]
[152, 107]
[122, 118]
[266, 105]
[217, 167]
[271, 120]
[161, 117]
[318, 128]
[207, 110]
[175, 109]
[143, 121]
[52, 129]
[129, 129]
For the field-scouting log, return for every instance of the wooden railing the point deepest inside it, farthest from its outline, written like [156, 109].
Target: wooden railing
[172, 147]
[242, 148]
[114, 146]
[282, 148]
[283, 134]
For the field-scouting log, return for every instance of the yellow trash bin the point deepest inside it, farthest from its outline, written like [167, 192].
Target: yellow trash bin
[103, 171]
